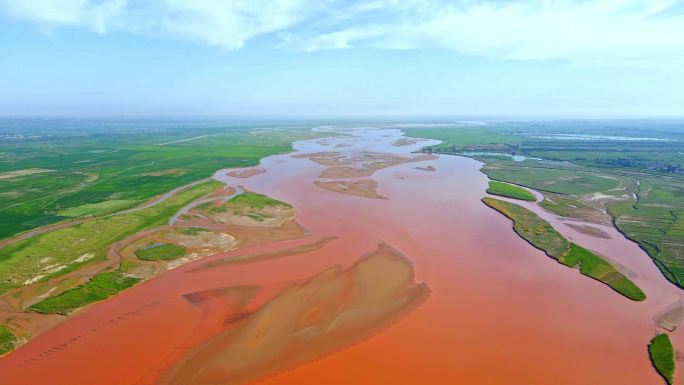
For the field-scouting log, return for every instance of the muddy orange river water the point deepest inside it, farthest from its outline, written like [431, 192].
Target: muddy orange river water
[429, 286]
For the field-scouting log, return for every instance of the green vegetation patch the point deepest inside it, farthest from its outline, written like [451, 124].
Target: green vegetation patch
[7, 340]
[247, 203]
[583, 157]
[100, 161]
[542, 235]
[510, 191]
[127, 265]
[596, 267]
[255, 200]
[552, 180]
[60, 251]
[531, 227]
[206, 206]
[160, 252]
[656, 222]
[98, 288]
[191, 230]
[562, 205]
[459, 136]
[662, 356]
[97, 209]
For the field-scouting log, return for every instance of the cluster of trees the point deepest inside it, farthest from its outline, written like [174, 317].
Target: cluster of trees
[649, 164]
[495, 148]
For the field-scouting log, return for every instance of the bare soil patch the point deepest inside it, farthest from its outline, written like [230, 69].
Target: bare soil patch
[589, 230]
[238, 214]
[24, 172]
[359, 165]
[364, 188]
[246, 173]
[670, 317]
[404, 142]
[256, 257]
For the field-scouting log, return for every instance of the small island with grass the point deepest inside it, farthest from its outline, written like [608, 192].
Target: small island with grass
[510, 191]
[543, 236]
[661, 352]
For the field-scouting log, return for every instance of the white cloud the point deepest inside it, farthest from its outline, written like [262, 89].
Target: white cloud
[582, 31]
[225, 23]
[230, 23]
[94, 15]
[588, 31]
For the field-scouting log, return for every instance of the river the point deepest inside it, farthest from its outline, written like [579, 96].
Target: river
[498, 312]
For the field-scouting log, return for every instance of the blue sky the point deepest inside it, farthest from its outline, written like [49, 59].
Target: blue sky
[512, 58]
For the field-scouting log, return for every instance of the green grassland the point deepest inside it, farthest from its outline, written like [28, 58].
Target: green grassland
[553, 180]
[563, 205]
[160, 252]
[248, 203]
[255, 200]
[461, 136]
[98, 288]
[97, 209]
[531, 227]
[7, 340]
[596, 267]
[542, 235]
[650, 165]
[510, 191]
[662, 356]
[656, 223]
[38, 256]
[97, 168]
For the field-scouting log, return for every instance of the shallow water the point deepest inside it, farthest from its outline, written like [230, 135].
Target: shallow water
[500, 311]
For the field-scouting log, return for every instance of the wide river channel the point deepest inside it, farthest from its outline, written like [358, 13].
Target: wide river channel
[497, 310]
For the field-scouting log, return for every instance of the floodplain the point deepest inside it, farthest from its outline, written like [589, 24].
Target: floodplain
[323, 283]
